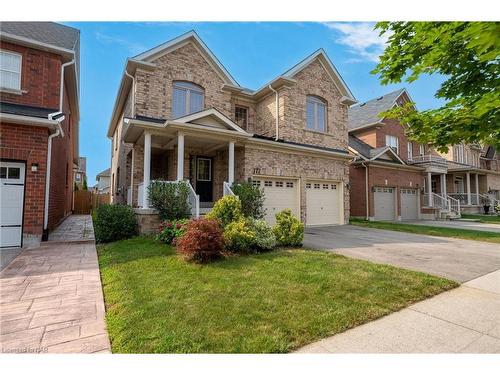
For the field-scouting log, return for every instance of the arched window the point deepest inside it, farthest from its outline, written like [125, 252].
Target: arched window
[187, 98]
[316, 113]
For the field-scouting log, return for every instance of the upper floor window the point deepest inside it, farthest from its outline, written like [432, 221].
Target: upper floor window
[421, 150]
[241, 116]
[410, 150]
[459, 154]
[10, 70]
[316, 113]
[187, 98]
[392, 142]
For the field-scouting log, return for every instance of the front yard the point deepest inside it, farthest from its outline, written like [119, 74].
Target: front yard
[492, 219]
[266, 303]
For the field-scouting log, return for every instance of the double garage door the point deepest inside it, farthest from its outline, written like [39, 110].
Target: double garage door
[385, 203]
[322, 199]
[11, 203]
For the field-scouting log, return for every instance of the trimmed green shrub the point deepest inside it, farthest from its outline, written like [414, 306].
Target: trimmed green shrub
[170, 199]
[289, 231]
[251, 198]
[203, 241]
[239, 236]
[226, 210]
[114, 222]
[264, 236]
[170, 230]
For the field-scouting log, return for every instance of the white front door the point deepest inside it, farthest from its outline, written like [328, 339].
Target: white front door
[323, 203]
[11, 203]
[279, 194]
[384, 203]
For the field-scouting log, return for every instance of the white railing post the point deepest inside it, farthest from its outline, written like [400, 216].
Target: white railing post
[429, 188]
[180, 156]
[469, 198]
[230, 172]
[147, 169]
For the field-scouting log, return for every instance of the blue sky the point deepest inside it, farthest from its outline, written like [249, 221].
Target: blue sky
[254, 53]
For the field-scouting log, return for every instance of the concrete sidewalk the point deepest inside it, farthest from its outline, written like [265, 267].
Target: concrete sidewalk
[463, 320]
[456, 224]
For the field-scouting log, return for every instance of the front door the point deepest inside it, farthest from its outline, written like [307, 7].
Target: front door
[204, 184]
[12, 203]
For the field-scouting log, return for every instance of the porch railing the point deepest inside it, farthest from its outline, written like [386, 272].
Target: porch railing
[462, 197]
[488, 199]
[140, 194]
[453, 204]
[194, 201]
[433, 159]
[129, 196]
[227, 189]
[438, 201]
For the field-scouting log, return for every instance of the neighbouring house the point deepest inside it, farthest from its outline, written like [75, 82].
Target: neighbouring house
[39, 116]
[80, 172]
[103, 182]
[393, 178]
[180, 115]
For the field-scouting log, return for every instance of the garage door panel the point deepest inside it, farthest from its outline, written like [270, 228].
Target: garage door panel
[409, 204]
[11, 203]
[384, 203]
[280, 194]
[322, 203]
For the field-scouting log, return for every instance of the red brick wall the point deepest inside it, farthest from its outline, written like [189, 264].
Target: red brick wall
[40, 77]
[61, 177]
[369, 136]
[29, 144]
[377, 176]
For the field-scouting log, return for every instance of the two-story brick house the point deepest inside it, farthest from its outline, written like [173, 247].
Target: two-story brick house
[180, 115]
[393, 178]
[39, 117]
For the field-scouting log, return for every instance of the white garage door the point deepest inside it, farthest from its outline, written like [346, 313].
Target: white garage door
[11, 203]
[409, 207]
[323, 204]
[384, 203]
[280, 194]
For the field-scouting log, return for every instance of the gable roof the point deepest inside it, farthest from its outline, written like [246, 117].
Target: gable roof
[50, 33]
[181, 40]
[104, 173]
[367, 114]
[213, 113]
[369, 153]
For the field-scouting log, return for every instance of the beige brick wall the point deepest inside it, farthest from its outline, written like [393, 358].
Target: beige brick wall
[277, 163]
[154, 89]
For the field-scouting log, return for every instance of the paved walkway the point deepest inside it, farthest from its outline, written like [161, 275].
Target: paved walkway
[74, 228]
[472, 225]
[52, 301]
[463, 320]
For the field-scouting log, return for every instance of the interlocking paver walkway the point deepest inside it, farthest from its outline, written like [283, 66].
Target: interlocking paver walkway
[51, 300]
[74, 228]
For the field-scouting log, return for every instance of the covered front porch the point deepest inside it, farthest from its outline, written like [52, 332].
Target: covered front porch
[204, 149]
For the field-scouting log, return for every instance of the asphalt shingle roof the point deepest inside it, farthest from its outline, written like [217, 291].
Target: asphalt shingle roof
[368, 113]
[25, 110]
[363, 148]
[46, 32]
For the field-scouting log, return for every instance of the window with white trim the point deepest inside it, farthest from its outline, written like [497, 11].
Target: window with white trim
[410, 151]
[316, 113]
[458, 153]
[10, 70]
[187, 98]
[421, 150]
[393, 142]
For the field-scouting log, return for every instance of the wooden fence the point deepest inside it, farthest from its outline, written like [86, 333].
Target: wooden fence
[85, 201]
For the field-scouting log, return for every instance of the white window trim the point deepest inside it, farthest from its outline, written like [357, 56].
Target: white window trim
[178, 85]
[410, 151]
[421, 150]
[17, 89]
[316, 101]
[387, 143]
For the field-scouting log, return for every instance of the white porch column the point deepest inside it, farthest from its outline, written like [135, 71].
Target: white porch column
[443, 185]
[131, 180]
[429, 187]
[180, 156]
[147, 168]
[477, 188]
[467, 175]
[230, 171]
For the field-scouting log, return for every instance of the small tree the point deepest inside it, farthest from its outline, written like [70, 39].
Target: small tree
[85, 187]
[252, 199]
[170, 199]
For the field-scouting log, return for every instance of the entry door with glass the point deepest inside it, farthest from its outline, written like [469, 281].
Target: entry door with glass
[204, 183]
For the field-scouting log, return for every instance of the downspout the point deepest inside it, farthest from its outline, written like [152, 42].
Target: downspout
[59, 131]
[367, 195]
[133, 92]
[277, 112]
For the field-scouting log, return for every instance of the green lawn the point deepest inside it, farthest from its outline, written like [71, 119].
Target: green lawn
[266, 303]
[466, 234]
[493, 219]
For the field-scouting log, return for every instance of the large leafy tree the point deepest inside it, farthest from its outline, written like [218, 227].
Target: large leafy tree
[467, 54]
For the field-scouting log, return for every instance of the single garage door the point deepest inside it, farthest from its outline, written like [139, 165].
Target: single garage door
[323, 203]
[409, 207]
[280, 194]
[384, 203]
[11, 203]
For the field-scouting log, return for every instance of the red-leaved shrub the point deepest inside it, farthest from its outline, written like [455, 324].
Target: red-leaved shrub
[202, 242]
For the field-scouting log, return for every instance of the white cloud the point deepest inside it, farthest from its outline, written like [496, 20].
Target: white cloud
[132, 47]
[361, 39]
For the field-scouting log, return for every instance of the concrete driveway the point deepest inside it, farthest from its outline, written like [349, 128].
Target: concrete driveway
[456, 224]
[455, 259]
